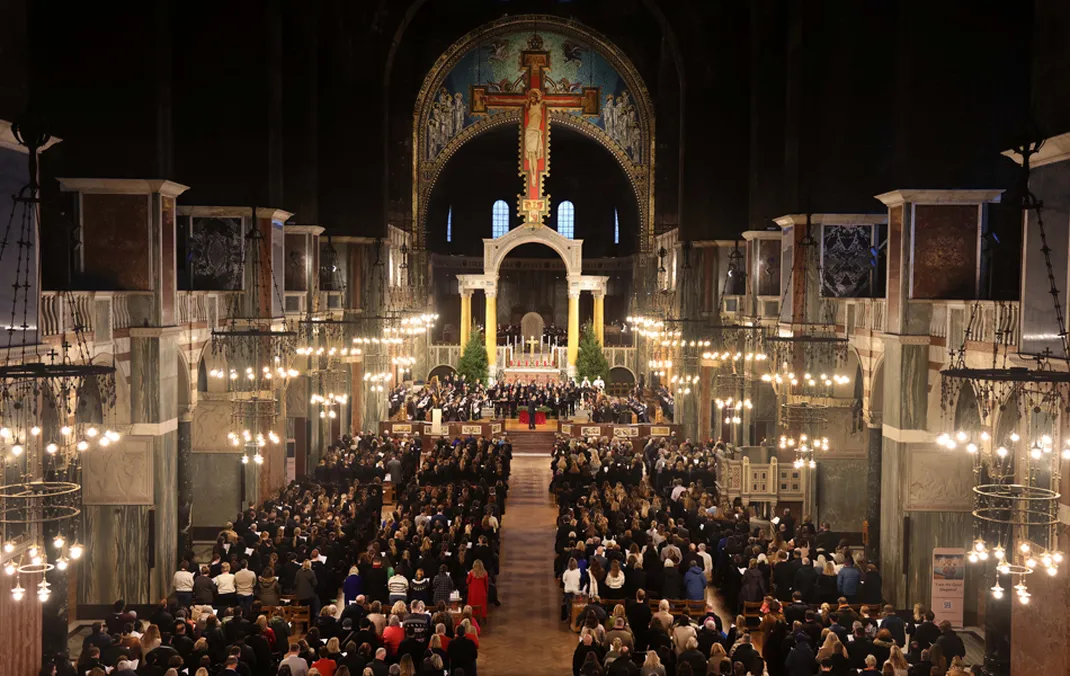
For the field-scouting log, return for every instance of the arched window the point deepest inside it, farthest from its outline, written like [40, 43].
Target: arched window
[449, 225]
[566, 219]
[616, 227]
[499, 224]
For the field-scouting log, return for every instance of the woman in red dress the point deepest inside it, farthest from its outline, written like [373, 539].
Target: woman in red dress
[478, 583]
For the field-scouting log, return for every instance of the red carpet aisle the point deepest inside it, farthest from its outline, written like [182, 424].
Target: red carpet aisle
[524, 636]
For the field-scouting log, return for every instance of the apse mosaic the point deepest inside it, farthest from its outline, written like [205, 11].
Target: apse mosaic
[575, 77]
[845, 261]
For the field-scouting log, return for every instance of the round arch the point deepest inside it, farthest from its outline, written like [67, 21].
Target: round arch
[570, 250]
[634, 150]
[441, 371]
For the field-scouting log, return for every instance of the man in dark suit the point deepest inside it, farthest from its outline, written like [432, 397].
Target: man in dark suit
[927, 632]
[805, 581]
[796, 610]
[531, 412]
[638, 612]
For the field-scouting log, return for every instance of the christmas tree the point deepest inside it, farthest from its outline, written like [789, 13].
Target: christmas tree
[473, 364]
[591, 361]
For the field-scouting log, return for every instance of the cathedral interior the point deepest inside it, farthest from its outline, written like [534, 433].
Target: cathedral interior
[827, 242]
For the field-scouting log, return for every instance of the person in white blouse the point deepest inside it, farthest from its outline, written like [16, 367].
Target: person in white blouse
[225, 589]
[570, 580]
[183, 583]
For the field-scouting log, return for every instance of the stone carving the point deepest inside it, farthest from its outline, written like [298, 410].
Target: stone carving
[120, 475]
[211, 422]
[938, 481]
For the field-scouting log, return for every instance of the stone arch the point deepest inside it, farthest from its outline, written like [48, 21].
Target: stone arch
[440, 371]
[570, 250]
[638, 165]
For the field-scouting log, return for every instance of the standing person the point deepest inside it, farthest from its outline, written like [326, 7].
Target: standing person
[224, 584]
[268, 590]
[848, 580]
[478, 583]
[305, 589]
[245, 585]
[183, 582]
[442, 585]
[531, 411]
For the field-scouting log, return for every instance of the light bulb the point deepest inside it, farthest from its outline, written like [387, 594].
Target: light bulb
[65, 430]
[35, 430]
[1057, 557]
[51, 447]
[91, 432]
[58, 542]
[105, 441]
[961, 436]
[1024, 547]
[1014, 436]
[1034, 452]
[258, 459]
[111, 434]
[1024, 598]
[1053, 571]
[9, 547]
[61, 563]
[9, 568]
[17, 593]
[76, 551]
[16, 450]
[972, 557]
[997, 591]
[1030, 563]
[245, 460]
[5, 433]
[82, 445]
[1002, 452]
[971, 448]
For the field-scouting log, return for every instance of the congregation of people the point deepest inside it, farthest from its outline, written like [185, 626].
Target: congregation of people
[403, 593]
[639, 561]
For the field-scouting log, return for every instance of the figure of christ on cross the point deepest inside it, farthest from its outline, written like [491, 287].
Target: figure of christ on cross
[534, 123]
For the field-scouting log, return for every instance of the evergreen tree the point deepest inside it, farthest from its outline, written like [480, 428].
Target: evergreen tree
[473, 364]
[591, 361]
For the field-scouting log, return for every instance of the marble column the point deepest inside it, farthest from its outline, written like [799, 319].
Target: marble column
[184, 469]
[600, 317]
[705, 398]
[490, 332]
[466, 316]
[874, 448]
[573, 329]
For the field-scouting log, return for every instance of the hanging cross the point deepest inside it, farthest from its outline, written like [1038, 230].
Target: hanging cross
[534, 101]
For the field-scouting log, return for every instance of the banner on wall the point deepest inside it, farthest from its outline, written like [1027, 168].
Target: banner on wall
[948, 585]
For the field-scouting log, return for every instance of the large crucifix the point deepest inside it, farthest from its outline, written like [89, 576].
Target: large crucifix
[530, 95]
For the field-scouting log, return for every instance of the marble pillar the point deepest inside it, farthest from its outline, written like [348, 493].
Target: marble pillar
[874, 448]
[600, 317]
[490, 331]
[573, 329]
[466, 317]
[184, 468]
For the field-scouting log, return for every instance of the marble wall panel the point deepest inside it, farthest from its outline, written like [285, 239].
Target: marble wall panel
[929, 530]
[841, 493]
[20, 632]
[216, 480]
[116, 562]
[116, 229]
[1039, 629]
[891, 536]
[894, 302]
[944, 263]
[165, 452]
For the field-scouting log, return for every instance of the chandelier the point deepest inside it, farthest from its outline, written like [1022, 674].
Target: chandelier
[258, 353]
[804, 423]
[1017, 478]
[53, 409]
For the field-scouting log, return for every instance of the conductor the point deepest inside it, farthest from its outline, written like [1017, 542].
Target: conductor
[531, 411]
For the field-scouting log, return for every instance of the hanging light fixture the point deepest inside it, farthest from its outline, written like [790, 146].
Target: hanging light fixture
[43, 427]
[1015, 496]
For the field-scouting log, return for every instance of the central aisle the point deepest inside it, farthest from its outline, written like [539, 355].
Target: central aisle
[525, 636]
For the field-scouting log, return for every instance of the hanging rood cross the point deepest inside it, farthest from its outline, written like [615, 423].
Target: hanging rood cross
[534, 101]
